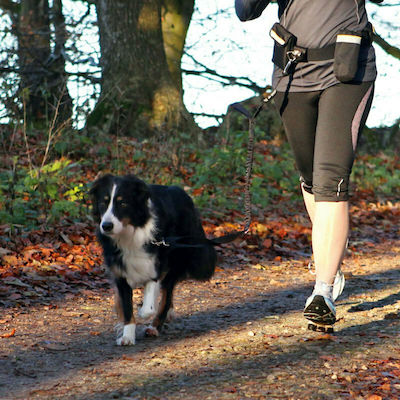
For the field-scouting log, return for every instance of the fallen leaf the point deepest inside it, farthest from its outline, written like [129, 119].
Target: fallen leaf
[267, 243]
[12, 260]
[386, 387]
[46, 252]
[66, 239]
[4, 251]
[128, 358]
[327, 358]
[230, 390]
[374, 397]
[325, 336]
[8, 334]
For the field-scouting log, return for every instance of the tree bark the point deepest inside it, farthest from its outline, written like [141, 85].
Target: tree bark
[139, 94]
[42, 72]
[61, 98]
[176, 16]
[33, 52]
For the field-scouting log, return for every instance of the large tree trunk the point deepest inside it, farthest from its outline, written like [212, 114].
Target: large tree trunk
[33, 52]
[139, 94]
[62, 101]
[42, 72]
[176, 16]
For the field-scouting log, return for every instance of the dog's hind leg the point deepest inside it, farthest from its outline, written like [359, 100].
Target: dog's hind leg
[150, 297]
[164, 307]
[125, 310]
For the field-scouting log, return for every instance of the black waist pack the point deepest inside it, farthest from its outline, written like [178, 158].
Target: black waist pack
[284, 43]
[347, 51]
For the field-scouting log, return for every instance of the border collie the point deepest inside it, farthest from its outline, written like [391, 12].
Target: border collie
[134, 220]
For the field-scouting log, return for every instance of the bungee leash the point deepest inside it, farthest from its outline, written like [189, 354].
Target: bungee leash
[173, 242]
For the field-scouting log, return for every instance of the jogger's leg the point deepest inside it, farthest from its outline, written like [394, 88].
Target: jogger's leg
[329, 236]
[309, 202]
[342, 113]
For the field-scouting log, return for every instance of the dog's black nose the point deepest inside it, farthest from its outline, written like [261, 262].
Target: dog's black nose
[107, 226]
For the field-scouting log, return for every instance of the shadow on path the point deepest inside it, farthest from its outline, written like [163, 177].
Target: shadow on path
[93, 350]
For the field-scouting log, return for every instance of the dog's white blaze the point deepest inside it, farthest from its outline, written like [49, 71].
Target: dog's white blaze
[109, 216]
[128, 335]
[150, 296]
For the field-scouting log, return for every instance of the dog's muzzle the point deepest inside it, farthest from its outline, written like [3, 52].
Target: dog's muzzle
[107, 227]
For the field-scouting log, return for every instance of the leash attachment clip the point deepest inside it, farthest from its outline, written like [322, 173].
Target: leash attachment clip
[160, 243]
[292, 56]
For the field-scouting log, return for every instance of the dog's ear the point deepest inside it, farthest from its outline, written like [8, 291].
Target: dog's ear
[96, 185]
[137, 187]
[100, 182]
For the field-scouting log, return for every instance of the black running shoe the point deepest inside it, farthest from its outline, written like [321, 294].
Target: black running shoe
[320, 310]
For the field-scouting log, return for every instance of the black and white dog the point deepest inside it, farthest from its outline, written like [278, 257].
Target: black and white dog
[134, 220]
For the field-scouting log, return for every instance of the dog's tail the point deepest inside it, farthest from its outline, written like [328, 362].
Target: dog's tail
[203, 262]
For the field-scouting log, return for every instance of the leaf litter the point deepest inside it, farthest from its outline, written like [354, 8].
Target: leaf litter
[241, 335]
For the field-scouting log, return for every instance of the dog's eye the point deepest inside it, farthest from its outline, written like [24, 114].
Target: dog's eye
[121, 202]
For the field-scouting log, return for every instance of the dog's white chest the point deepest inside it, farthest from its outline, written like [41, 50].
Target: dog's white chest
[140, 267]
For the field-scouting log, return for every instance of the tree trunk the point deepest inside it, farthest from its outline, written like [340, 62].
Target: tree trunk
[42, 73]
[176, 16]
[58, 77]
[139, 94]
[33, 52]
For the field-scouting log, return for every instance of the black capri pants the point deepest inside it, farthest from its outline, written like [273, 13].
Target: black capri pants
[323, 129]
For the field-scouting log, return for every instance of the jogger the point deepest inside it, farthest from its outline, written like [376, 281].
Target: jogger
[324, 77]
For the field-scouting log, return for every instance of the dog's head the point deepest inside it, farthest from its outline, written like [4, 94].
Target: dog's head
[119, 202]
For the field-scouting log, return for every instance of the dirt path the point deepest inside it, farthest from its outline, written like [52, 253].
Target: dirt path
[240, 336]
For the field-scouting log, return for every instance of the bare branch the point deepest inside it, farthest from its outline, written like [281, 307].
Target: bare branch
[387, 47]
[11, 9]
[224, 80]
[9, 6]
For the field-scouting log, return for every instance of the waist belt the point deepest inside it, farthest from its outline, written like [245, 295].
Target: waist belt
[328, 52]
[321, 54]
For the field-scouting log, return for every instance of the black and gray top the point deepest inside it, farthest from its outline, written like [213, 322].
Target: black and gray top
[315, 23]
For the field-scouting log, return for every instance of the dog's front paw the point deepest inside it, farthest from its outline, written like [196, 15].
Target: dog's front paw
[125, 341]
[146, 312]
[128, 335]
[151, 331]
